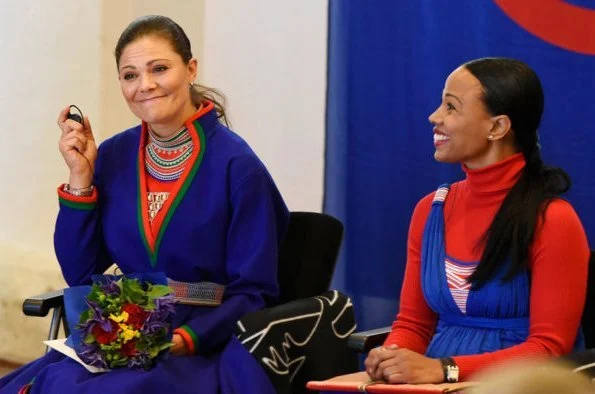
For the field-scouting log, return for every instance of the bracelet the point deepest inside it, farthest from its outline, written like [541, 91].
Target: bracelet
[79, 192]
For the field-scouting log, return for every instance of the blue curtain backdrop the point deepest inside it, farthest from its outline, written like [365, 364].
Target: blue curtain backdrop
[386, 69]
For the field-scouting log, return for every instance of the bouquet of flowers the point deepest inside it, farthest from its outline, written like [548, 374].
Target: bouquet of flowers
[125, 322]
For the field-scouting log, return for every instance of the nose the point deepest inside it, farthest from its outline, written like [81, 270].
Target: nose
[435, 117]
[147, 83]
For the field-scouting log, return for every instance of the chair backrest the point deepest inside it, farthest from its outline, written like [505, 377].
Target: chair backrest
[588, 319]
[308, 255]
[304, 338]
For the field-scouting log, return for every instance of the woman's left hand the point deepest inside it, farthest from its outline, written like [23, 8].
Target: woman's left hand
[407, 366]
[179, 348]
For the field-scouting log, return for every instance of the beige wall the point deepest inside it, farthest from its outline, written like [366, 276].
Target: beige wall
[58, 52]
[48, 61]
[269, 57]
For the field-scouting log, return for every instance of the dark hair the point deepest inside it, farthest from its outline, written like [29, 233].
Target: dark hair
[164, 27]
[511, 88]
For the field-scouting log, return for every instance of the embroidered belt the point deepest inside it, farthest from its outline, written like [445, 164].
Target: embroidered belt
[519, 323]
[197, 293]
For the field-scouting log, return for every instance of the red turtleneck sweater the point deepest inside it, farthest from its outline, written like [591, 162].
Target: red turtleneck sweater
[558, 267]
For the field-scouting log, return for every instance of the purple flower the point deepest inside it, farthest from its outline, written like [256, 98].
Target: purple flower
[141, 360]
[91, 355]
[160, 316]
[110, 288]
[95, 318]
[164, 307]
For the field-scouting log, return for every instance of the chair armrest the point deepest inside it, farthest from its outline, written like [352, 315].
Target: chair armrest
[364, 341]
[41, 304]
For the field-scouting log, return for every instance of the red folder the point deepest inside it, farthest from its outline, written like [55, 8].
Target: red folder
[360, 382]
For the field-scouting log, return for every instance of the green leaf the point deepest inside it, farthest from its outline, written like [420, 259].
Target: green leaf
[165, 346]
[156, 291]
[120, 362]
[85, 316]
[132, 291]
[95, 293]
[150, 305]
[153, 352]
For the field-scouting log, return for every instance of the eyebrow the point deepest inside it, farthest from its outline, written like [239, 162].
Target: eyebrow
[454, 97]
[148, 64]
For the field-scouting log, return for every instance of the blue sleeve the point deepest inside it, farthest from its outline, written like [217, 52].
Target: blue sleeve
[78, 239]
[258, 223]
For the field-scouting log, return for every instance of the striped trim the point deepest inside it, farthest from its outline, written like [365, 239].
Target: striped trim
[77, 205]
[151, 240]
[178, 195]
[26, 389]
[76, 202]
[440, 194]
[189, 337]
[456, 276]
[141, 202]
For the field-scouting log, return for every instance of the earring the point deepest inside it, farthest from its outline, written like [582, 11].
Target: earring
[190, 85]
[490, 137]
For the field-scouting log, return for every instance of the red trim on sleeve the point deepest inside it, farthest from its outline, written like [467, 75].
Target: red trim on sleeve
[187, 337]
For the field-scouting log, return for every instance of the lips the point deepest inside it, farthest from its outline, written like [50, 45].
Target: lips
[150, 99]
[439, 137]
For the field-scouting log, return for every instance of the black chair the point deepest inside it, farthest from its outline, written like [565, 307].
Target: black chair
[364, 341]
[308, 255]
[308, 328]
[305, 337]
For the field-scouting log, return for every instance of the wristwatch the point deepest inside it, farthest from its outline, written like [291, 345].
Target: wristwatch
[451, 370]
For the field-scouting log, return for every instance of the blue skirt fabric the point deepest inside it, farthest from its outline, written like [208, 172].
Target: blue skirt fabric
[233, 370]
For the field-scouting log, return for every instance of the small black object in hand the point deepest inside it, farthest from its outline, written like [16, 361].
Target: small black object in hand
[74, 116]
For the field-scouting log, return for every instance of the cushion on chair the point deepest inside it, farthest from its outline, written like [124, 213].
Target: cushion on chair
[301, 340]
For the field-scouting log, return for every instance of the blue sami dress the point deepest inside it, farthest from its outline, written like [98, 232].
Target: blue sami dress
[224, 225]
[497, 314]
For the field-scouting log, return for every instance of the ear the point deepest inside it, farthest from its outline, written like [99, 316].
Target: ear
[192, 69]
[500, 128]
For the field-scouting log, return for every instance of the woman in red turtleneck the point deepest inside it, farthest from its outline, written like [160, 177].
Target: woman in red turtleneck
[496, 263]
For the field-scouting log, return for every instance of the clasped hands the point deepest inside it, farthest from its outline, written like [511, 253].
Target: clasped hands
[398, 365]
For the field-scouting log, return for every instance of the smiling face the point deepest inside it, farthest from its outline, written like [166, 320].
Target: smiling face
[462, 124]
[155, 82]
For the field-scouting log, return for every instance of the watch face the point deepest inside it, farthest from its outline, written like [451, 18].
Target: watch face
[452, 373]
[451, 370]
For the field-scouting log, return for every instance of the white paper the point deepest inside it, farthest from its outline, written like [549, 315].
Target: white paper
[60, 346]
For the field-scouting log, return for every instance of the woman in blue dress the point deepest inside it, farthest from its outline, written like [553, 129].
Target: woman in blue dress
[180, 194]
[497, 263]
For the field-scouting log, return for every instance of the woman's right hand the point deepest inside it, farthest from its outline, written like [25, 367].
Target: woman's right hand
[179, 346]
[78, 148]
[375, 357]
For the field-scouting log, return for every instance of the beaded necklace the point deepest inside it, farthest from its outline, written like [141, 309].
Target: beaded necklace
[166, 158]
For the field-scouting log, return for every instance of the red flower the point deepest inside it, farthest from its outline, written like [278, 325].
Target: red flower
[129, 348]
[136, 315]
[105, 337]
